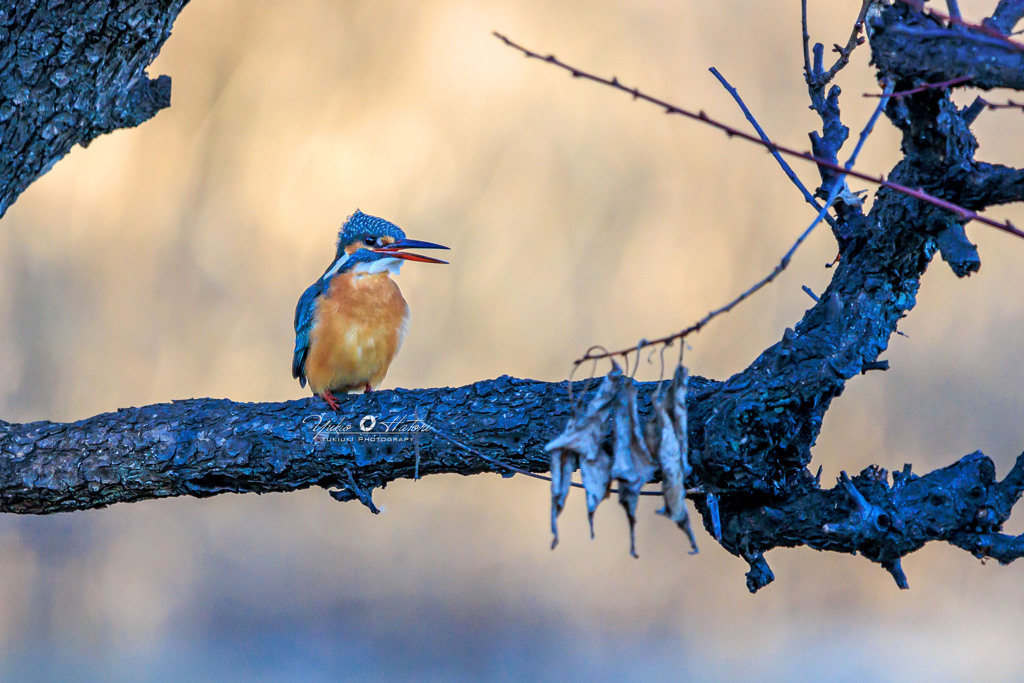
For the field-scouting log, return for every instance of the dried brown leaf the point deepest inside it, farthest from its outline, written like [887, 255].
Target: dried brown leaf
[672, 456]
[678, 390]
[563, 462]
[579, 445]
[632, 465]
[596, 474]
[607, 441]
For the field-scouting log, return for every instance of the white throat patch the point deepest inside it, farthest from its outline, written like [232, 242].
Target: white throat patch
[387, 264]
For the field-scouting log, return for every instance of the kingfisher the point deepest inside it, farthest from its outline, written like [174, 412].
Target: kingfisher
[350, 323]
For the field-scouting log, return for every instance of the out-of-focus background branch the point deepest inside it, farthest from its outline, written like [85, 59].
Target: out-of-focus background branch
[164, 262]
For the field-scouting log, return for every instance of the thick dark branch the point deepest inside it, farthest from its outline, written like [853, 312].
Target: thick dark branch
[988, 185]
[202, 447]
[914, 48]
[962, 504]
[70, 72]
[757, 428]
[766, 418]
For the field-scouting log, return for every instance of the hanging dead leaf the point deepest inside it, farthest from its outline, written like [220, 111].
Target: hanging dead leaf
[672, 452]
[678, 390]
[596, 474]
[607, 442]
[580, 445]
[632, 465]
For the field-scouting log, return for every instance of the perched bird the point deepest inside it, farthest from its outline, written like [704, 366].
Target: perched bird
[350, 323]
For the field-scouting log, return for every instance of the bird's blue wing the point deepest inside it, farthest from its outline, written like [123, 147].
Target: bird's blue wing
[304, 313]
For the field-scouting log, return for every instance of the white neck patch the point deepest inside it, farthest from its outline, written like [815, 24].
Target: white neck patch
[384, 265]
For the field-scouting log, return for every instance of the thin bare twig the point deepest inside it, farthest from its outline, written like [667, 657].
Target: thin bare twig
[886, 94]
[851, 44]
[786, 168]
[1009, 104]
[806, 40]
[941, 85]
[837, 185]
[964, 213]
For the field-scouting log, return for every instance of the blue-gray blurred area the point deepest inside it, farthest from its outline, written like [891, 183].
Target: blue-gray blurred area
[164, 262]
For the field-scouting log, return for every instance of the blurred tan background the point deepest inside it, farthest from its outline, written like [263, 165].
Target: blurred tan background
[164, 262]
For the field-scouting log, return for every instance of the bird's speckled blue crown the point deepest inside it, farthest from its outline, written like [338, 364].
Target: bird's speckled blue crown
[360, 225]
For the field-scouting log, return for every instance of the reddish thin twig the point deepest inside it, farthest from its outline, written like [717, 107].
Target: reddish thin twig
[613, 82]
[957, 21]
[921, 88]
[917, 193]
[837, 185]
[1009, 104]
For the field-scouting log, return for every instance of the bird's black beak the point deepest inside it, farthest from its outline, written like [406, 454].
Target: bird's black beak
[395, 250]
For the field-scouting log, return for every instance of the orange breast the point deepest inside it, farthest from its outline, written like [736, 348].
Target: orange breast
[357, 330]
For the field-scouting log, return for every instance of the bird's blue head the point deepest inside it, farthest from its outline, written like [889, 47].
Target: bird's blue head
[373, 244]
[363, 231]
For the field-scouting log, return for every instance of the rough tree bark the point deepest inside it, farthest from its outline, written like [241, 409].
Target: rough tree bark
[71, 73]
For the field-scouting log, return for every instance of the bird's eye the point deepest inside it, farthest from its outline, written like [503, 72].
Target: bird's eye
[369, 241]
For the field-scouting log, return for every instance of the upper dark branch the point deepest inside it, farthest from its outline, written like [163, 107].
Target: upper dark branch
[70, 72]
[1006, 16]
[914, 48]
[981, 31]
[989, 185]
[938, 144]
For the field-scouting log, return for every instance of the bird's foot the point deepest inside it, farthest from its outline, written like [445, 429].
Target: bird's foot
[367, 389]
[331, 401]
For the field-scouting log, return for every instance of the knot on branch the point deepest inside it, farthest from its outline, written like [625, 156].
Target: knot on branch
[957, 251]
[866, 520]
[351, 489]
[873, 528]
